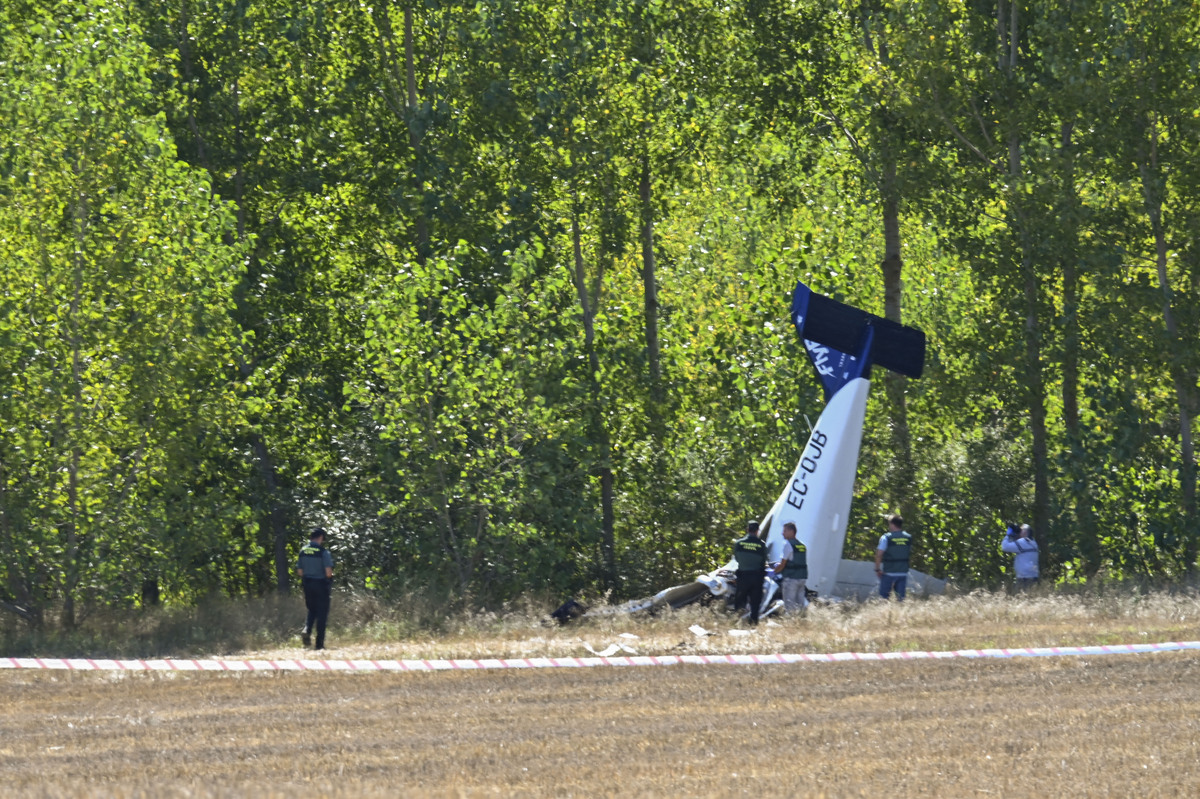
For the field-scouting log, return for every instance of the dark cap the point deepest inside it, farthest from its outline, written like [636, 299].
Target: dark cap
[752, 526]
[318, 532]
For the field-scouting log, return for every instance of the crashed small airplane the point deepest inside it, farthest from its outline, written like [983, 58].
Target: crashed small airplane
[843, 343]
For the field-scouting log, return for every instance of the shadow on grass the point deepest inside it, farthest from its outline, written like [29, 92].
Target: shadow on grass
[219, 626]
[214, 626]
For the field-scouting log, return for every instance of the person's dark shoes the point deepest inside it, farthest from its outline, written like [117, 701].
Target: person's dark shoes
[305, 638]
[318, 647]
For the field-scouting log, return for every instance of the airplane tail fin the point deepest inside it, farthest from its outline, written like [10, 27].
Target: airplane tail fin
[844, 342]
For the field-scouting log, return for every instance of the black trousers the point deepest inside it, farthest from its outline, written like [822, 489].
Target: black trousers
[316, 599]
[749, 587]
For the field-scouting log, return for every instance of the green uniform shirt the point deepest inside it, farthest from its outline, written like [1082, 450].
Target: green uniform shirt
[750, 553]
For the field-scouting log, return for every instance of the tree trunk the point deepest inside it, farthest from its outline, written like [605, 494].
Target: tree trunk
[902, 471]
[1152, 192]
[1008, 32]
[399, 86]
[424, 245]
[1035, 387]
[275, 522]
[650, 286]
[187, 67]
[75, 459]
[1070, 276]
[276, 517]
[1079, 464]
[604, 471]
[1035, 384]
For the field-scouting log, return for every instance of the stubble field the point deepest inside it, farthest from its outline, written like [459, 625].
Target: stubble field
[1061, 726]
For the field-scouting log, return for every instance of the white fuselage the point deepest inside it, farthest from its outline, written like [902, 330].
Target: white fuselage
[817, 498]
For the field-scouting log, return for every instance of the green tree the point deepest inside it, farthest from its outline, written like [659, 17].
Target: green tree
[114, 313]
[277, 103]
[1150, 75]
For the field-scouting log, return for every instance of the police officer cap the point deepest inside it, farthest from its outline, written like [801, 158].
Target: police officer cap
[752, 526]
[318, 532]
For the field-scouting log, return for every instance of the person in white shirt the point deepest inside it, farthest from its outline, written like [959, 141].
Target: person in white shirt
[1018, 541]
[793, 570]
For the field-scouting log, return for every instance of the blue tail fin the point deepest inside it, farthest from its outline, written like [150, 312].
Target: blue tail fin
[843, 343]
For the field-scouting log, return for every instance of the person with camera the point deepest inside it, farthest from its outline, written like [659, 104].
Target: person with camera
[1018, 542]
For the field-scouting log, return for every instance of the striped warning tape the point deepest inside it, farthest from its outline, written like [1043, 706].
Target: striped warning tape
[99, 664]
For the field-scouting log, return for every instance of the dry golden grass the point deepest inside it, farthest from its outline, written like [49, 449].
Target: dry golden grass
[977, 621]
[1069, 727]
[1062, 727]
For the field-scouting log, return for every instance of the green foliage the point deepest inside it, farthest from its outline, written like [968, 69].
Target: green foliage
[384, 268]
[462, 392]
[114, 318]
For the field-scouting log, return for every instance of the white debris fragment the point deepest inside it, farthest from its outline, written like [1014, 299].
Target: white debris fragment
[699, 631]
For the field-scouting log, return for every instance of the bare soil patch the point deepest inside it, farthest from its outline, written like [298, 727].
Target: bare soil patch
[1065, 727]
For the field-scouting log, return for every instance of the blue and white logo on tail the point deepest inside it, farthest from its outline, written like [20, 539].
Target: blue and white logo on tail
[843, 344]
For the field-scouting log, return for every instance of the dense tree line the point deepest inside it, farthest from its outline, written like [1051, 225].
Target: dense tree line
[497, 291]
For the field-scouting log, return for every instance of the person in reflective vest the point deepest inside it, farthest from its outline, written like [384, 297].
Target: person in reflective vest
[793, 570]
[891, 559]
[751, 556]
[314, 567]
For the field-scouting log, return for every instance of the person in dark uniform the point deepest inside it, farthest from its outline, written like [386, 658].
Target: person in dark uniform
[315, 570]
[891, 559]
[751, 556]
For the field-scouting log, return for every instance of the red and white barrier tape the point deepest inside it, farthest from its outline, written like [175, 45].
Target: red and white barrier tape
[99, 664]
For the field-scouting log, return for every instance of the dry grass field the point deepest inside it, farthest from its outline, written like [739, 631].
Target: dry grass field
[1058, 727]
